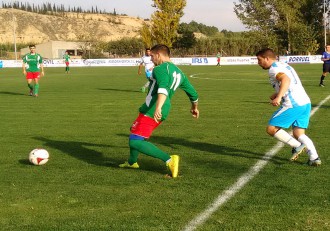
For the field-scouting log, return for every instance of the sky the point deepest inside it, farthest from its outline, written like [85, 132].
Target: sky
[218, 13]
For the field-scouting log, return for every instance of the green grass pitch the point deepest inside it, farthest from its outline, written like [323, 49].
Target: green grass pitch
[83, 120]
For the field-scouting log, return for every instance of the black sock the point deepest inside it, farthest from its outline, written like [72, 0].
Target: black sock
[322, 78]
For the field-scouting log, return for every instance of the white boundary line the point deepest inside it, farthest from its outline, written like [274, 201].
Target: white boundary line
[240, 183]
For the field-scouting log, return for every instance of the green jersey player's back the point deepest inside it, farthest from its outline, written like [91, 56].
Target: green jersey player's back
[166, 79]
[32, 62]
[66, 57]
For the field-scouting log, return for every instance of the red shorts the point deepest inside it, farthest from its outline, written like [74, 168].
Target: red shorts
[32, 75]
[144, 126]
[218, 60]
[67, 63]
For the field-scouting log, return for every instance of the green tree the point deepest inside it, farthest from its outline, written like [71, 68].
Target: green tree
[165, 20]
[125, 47]
[146, 35]
[184, 42]
[313, 14]
[282, 23]
[198, 27]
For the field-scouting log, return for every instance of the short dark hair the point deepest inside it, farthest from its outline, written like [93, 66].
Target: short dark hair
[266, 53]
[161, 48]
[32, 45]
[148, 49]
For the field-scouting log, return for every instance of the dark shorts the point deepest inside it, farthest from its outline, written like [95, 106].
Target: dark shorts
[326, 67]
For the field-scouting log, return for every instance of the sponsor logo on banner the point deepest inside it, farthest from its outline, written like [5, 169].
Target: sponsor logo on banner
[110, 62]
[316, 59]
[299, 59]
[48, 61]
[90, 62]
[181, 61]
[239, 60]
[198, 61]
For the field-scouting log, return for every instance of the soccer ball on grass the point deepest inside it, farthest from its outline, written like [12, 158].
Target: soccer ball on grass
[38, 156]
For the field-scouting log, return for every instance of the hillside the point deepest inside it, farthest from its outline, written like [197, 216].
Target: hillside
[38, 28]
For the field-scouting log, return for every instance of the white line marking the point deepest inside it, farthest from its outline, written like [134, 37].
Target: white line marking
[319, 105]
[240, 183]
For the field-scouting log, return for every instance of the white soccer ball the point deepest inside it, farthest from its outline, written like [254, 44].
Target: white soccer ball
[39, 156]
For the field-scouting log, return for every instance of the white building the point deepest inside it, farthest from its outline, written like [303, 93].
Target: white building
[56, 49]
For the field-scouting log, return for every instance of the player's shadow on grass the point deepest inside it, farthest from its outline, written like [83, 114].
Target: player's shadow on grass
[83, 151]
[80, 150]
[212, 148]
[113, 89]
[25, 162]
[10, 93]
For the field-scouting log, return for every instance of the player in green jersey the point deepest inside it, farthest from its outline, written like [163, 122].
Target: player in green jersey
[165, 80]
[218, 58]
[32, 65]
[66, 58]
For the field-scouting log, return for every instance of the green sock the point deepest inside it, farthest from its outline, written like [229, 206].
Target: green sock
[30, 86]
[133, 156]
[36, 89]
[147, 148]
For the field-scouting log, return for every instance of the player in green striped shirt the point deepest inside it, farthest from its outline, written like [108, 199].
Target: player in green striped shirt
[32, 65]
[66, 58]
[218, 58]
[165, 80]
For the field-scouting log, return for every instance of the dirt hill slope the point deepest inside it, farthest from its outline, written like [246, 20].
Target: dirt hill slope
[38, 28]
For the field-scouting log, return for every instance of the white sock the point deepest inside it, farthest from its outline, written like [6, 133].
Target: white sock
[286, 138]
[311, 150]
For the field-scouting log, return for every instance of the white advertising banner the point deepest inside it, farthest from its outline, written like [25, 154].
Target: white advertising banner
[181, 61]
[111, 62]
[11, 63]
[249, 60]
[238, 60]
[302, 59]
[315, 59]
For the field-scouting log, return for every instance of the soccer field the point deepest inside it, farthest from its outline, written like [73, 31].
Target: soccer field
[83, 120]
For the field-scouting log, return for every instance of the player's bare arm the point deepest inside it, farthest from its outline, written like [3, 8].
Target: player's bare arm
[24, 69]
[42, 70]
[285, 83]
[139, 70]
[194, 110]
[159, 104]
[273, 96]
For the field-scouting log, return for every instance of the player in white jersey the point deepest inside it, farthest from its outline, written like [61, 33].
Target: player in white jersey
[148, 67]
[294, 107]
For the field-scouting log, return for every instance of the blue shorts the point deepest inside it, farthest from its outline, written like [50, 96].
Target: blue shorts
[148, 74]
[296, 117]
